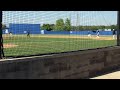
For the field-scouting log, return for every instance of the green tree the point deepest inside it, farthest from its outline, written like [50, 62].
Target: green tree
[113, 27]
[102, 27]
[94, 27]
[52, 26]
[3, 26]
[60, 25]
[67, 25]
[48, 27]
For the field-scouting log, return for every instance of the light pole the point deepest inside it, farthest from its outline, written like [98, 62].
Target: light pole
[77, 21]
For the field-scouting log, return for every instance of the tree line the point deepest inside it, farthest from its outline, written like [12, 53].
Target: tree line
[62, 25]
[59, 26]
[65, 25]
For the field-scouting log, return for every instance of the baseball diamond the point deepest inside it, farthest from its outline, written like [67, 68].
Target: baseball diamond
[43, 44]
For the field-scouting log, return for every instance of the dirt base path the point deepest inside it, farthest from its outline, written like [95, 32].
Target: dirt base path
[9, 45]
[84, 37]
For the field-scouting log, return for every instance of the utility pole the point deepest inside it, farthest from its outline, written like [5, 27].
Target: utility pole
[118, 28]
[70, 19]
[77, 23]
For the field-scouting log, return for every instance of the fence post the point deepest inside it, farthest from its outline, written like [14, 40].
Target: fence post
[0, 34]
[118, 28]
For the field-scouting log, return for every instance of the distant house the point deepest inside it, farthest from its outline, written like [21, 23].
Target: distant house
[108, 30]
[5, 30]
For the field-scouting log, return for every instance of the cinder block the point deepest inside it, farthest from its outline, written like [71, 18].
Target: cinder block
[97, 66]
[95, 61]
[77, 75]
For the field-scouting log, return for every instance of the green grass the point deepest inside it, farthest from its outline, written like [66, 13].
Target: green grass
[42, 45]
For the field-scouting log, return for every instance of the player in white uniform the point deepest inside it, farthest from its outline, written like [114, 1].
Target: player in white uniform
[98, 34]
[89, 34]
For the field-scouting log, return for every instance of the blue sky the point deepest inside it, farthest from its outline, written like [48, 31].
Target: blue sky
[50, 17]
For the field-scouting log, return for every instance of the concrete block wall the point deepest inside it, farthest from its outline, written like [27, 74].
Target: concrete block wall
[74, 65]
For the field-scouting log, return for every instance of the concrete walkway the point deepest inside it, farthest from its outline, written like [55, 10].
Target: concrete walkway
[114, 75]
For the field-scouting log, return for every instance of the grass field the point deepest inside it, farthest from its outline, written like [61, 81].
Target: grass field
[42, 44]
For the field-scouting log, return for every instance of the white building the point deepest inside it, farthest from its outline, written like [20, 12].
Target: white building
[108, 30]
[42, 31]
[6, 31]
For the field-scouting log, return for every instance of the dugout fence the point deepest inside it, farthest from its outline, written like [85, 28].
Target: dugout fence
[29, 33]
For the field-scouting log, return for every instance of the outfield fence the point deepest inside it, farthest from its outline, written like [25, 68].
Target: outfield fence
[29, 33]
[78, 32]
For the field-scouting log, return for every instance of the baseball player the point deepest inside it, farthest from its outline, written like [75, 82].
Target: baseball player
[28, 34]
[89, 34]
[114, 33]
[98, 34]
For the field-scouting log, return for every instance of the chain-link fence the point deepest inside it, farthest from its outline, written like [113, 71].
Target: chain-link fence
[28, 33]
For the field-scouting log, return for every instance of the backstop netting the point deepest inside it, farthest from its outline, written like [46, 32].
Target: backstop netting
[28, 33]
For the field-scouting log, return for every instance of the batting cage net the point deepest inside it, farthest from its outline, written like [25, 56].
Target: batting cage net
[28, 33]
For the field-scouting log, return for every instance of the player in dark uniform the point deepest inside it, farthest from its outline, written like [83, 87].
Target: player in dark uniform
[114, 33]
[28, 34]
